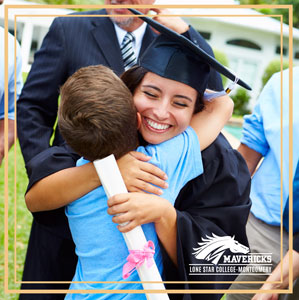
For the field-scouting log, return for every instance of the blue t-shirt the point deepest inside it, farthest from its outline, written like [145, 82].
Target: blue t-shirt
[100, 246]
[11, 74]
[262, 133]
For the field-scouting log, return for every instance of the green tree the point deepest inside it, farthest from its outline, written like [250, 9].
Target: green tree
[273, 67]
[70, 2]
[241, 100]
[280, 11]
[222, 58]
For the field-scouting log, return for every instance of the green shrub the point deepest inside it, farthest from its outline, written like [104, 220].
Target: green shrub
[24, 75]
[273, 67]
[222, 58]
[241, 99]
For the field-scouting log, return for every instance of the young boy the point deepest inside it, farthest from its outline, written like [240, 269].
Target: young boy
[97, 117]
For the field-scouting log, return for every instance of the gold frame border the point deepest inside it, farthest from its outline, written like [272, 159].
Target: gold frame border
[7, 7]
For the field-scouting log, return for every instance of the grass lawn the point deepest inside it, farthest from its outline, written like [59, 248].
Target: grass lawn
[16, 246]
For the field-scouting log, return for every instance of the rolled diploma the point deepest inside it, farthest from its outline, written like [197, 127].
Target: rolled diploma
[113, 184]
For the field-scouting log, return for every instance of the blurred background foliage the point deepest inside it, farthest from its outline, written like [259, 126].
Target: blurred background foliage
[71, 2]
[222, 58]
[273, 67]
[280, 11]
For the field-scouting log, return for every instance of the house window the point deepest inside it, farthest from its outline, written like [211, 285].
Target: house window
[35, 43]
[244, 43]
[284, 50]
[33, 49]
[245, 68]
[296, 55]
[206, 35]
[12, 32]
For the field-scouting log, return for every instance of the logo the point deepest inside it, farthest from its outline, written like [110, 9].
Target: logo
[225, 255]
[213, 247]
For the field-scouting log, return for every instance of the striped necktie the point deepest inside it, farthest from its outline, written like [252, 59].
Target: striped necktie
[127, 51]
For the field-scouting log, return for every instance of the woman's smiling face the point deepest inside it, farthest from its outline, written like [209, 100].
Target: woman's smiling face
[166, 107]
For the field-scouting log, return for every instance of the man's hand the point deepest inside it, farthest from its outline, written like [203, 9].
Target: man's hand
[175, 23]
[265, 296]
[278, 274]
[11, 136]
[1, 148]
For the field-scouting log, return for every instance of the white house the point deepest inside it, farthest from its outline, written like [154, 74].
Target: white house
[31, 26]
[249, 39]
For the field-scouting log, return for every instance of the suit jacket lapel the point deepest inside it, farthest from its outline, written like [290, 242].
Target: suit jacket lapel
[148, 37]
[105, 36]
[106, 39]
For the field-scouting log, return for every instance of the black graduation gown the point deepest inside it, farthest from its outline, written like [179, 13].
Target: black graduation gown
[215, 202]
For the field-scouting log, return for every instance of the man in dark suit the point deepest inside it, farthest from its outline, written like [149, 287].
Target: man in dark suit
[71, 43]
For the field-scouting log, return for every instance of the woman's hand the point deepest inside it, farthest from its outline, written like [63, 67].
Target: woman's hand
[136, 209]
[141, 176]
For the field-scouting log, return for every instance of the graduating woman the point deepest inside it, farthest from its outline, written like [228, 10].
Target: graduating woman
[214, 203]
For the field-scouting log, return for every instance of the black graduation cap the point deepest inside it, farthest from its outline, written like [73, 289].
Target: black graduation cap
[171, 55]
[169, 59]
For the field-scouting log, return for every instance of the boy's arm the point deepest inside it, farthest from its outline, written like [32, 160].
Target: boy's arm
[61, 188]
[208, 123]
[53, 190]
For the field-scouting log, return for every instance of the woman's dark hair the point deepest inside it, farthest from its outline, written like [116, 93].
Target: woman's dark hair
[133, 77]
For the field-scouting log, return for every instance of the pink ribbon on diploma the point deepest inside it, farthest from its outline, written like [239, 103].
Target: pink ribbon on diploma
[136, 258]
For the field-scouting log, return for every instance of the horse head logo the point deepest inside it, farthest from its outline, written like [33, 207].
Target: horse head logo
[212, 247]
